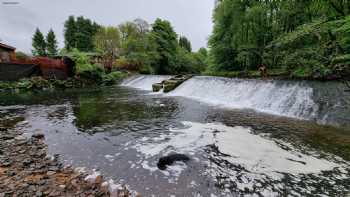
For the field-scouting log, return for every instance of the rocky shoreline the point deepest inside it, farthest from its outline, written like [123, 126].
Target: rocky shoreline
[27, 170]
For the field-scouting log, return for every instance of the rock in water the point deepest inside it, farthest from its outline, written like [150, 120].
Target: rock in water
[170, 159]
[38, 136]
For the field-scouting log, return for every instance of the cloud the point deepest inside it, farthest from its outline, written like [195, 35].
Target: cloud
[191, 18]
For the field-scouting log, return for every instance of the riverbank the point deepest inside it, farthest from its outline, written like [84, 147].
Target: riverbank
[37, 84]
[27, 170]
[278, 74]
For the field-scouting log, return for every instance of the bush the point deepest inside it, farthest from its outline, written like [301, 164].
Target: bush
[113, 77]
[319, 50]
[22, 56]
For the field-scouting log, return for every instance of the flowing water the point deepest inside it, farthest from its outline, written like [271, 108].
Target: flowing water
[243, 137]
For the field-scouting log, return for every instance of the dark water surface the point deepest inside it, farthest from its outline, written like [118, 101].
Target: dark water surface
[122, 132]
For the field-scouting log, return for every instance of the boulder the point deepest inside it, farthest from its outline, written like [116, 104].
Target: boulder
[157, 87]
[170, 159]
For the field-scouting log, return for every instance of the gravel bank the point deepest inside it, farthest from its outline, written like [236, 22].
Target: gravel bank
[26, 170]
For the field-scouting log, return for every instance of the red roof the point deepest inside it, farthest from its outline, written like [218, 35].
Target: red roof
[4, 46]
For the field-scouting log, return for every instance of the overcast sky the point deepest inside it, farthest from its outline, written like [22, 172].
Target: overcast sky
[191, 18]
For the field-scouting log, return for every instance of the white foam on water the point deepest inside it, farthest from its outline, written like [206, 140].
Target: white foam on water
[144, 82]
[284, 99]
[257, 154]
[110, 158]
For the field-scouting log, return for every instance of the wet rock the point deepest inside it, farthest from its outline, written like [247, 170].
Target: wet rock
[26, 162]
[157, 87]
[7, 137]
[170, 159]
[50, 173]
[38, 136]
[26, 170]
[38, 194]
[5, 164]
[98, 179]
[20, 138]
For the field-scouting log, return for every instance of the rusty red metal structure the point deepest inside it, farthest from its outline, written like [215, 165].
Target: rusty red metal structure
[48, 68]
[12, 68]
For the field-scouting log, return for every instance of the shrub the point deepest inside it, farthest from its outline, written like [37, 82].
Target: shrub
[113, 77]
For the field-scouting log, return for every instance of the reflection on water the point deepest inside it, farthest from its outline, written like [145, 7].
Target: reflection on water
[123, 132]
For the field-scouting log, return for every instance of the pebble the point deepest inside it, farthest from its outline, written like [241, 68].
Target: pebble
[50, 173]
[38, 136]
[20, 138]
[30, 172]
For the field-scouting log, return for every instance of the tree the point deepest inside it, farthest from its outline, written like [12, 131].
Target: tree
[185, 43]
[165, 38]
[79, 33]
[142, 26]
[70, 30]
[39, 44]
[137, 47]
[51, 44]
[107, 41]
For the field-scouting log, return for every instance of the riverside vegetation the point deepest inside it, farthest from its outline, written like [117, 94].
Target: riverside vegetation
[87, 75]
[299, 39]
[293, 39]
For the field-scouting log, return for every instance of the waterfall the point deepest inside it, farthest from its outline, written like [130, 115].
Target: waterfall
[144, 82]
[285, 99]
[323, 102]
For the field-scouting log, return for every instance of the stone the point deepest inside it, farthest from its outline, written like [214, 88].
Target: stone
[50, 173]
[5, 164]
[26, 162]
[21, 137]
[98, 179]
[7, 137]
[62, 187]
[157, 87]
[38, 136]
[170, 159]
[38, 194]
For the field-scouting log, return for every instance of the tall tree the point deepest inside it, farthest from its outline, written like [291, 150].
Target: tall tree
[107, 41]
[165, 39]
[39, 44]
[79, 33]
[185, 43]
[51, 44]
[70, 30]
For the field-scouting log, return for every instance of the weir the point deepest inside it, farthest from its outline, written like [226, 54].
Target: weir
[323, 102]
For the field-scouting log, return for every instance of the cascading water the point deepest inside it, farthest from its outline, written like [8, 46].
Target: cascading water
[325, 103]
[292, 100]
[144, 82]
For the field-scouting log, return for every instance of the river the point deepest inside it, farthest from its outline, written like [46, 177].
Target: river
[243, 137]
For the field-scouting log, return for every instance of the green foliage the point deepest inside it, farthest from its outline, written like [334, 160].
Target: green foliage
[107, 42]
[79, 33]
[21, 56]
[200, 60]
[321, 47]
[91, 74]
[113, 77]
[137, 49]
[36, 84]
[70, 30]
[185, 43]
[165, 39]
[51, 44]
[301, 37]
[39, 44]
